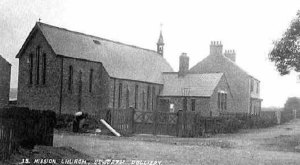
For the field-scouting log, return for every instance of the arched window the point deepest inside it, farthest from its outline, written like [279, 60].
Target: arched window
[120, 94]
[44, 69]
[136, 99]
[38, 52]
[30, 69]
[91, 80]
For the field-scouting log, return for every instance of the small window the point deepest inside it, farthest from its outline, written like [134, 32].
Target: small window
[257, 88]
[97, 42]
[193, 104]
[172, 109]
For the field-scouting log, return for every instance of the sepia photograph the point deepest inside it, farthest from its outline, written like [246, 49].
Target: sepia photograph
[160, 82]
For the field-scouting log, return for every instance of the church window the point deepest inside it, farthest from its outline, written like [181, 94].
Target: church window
[136, 91]
[148, 98]
[38, 51]
[91, 80]
[120, 94]
[30, 68]
[143, 99]
[70, 84]
[44, 69]
[127, 98]
[153, 97]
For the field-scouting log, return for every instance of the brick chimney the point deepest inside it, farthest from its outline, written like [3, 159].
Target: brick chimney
[216, 48]
[230, 54]
[183, 65]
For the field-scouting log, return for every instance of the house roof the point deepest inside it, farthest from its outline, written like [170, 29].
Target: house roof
[120, 60]
[202, 85]
[214, 60]
[3, 59]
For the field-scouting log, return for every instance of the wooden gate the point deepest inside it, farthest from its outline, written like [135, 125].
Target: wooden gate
[162, 123]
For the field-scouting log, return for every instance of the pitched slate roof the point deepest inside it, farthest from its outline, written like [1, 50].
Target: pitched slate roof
[213, 60]
[191, 84]
[120, 60]
[4, 60]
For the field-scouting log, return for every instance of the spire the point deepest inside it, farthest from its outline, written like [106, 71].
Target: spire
[160, 43]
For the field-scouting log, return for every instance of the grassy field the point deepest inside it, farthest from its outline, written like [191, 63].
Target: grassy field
[274, 145]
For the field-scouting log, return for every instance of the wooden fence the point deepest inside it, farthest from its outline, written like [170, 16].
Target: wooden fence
[7, 144]
[182, 124]
[21, 127]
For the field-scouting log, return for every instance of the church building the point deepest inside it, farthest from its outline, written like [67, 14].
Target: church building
[67, 71]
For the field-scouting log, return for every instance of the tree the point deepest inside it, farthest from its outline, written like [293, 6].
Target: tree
[286, 51]
[292, 103]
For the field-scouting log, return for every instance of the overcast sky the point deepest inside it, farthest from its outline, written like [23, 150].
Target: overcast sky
[249, 27]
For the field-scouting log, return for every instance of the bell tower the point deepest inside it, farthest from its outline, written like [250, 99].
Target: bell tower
[160, 43]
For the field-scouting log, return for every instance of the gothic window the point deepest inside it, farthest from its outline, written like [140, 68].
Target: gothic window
[136, 91]
[38, 51]
[148, 98]
[127, 98]
[44, 69]
[91, 80]
[70, 83]
[30, 68]
[120, 94]
[143, 99]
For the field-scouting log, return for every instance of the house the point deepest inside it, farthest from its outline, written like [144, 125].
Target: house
[67, 71]
[244, 87]
[5, 69]
[208, 93]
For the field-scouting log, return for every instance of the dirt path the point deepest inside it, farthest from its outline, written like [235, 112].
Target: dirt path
[274, 145]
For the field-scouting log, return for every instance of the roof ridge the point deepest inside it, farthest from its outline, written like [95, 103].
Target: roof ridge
[230, 61]
[88, 35]
[193, 73]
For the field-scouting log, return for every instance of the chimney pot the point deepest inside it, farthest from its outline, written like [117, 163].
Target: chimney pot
[230, 54]
[216, 48]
